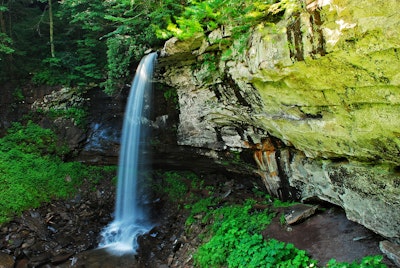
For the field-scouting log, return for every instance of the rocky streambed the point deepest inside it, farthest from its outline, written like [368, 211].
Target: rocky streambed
[53, 233]
[65, 233]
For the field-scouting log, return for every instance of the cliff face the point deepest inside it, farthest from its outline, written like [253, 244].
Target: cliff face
[315, 96]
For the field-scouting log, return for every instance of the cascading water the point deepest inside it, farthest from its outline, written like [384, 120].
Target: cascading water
[131, 221]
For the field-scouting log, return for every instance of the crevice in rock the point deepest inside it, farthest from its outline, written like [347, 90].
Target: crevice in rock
[313, 116]
[317, 38]
[397, 169]
[218, 94]
[218, 134]
[294, 36]
[238, 92]
[286, 191]
[240, 131]
[341, 160]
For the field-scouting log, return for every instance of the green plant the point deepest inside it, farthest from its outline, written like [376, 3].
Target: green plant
[236, 241]
[206, 68]
[18, 94]
[187, 189]
[32, 139]
[173, 184]
[233, 232]
[282, 204]
[69, 71]
[120, 51]
[241, 42]
[210, 62]
[257, 252]
[171, 95]
[261, 194]
[95, 174]
[366, 262]
[282, 220]
[5, 41]
[202, 206]
[77, 114]
[205, 16]
[226, 54]
[31, 171]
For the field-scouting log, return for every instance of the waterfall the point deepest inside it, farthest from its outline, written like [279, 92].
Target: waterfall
[130, 219]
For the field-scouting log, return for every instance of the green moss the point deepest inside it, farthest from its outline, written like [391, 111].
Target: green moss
[31, 171]
[343, 104]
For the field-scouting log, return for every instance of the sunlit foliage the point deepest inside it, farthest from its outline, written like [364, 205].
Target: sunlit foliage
[97, 43]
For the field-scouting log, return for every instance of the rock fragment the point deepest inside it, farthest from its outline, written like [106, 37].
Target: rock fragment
[391, 250]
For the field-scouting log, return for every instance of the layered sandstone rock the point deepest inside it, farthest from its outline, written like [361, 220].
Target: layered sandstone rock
[323, 82]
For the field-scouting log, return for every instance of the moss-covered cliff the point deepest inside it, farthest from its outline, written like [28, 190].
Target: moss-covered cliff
[315, 95]
[344, 100]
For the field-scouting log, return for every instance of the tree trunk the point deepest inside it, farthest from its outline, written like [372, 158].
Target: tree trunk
[52, 50]
[2, 21]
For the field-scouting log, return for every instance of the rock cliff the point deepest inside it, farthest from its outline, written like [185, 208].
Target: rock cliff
[315, 96]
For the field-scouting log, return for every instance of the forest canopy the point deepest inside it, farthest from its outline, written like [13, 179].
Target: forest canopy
[95, 43]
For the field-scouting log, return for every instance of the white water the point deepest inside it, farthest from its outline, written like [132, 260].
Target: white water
[131, 221]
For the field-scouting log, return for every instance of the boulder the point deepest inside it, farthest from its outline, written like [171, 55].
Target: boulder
[6, 261]
[299, 212]
[391, 250]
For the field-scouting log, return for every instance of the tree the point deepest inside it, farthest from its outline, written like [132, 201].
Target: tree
[94, 42]
[5, 40]
[21, 29]
[49, 7]
[51, 23]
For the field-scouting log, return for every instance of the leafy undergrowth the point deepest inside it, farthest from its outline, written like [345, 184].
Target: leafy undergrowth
[366, 262]
[230, 233]
[236, 240]
[32, 170]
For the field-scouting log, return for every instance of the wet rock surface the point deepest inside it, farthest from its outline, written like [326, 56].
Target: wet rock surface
[102, 258]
